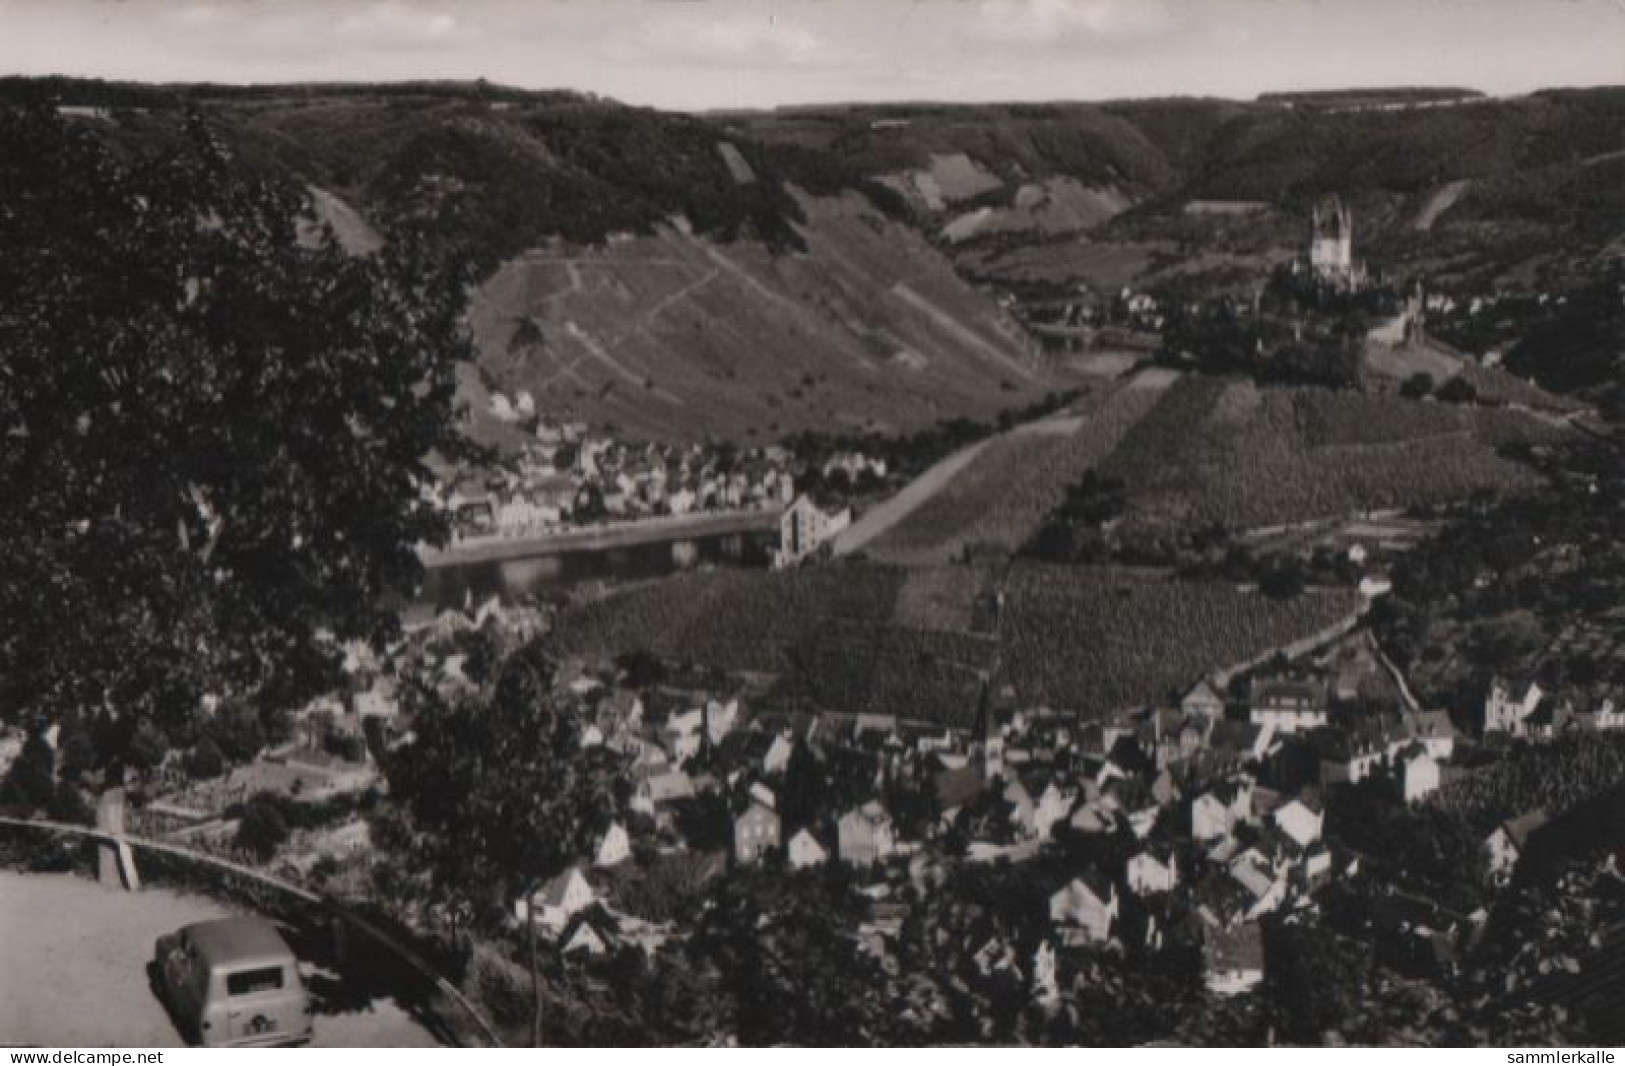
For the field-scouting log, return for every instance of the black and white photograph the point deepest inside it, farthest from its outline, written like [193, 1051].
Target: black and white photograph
[812, 523]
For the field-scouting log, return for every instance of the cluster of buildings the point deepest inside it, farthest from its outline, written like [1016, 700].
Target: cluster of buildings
[571, 477]
[1214, 809]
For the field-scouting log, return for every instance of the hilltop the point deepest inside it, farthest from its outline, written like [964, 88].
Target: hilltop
[748, 275]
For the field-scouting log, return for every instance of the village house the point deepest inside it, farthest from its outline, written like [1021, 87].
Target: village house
[1084, 910]
[1220, 809]
[1289, 704]
[1202, 702]
[1608, 715]
[720, 719]
[614, 847]
[1151, 870]
[777, 756]
[1431, 729]
[1022, 808]
[756, 832]
[1054, 804]
[1510, 841]
[1420, 774]
[1350, 755]
[593, 931]
[683, 733]
[1301, 818]
[804, 850]
[660, 787]
[1233, 959]
[1264, 882]
[1508, 707]
[557, 901]
[864, 835]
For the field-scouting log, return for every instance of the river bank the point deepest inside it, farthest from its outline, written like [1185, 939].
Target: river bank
[601, 537]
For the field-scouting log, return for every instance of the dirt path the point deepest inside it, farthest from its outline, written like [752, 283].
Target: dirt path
[959, 331]
[74, 972]
[1440, 202]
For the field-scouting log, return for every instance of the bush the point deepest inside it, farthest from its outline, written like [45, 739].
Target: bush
[206, 760]
[262, 830]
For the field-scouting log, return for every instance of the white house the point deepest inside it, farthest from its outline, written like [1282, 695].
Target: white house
[1054, 804]
[1510, 840]
[1203, 702]
[1289, 704]
[756, 832]
[1149, 873]
[864, 835]
[1508, 707]
[1420, 775]
[1217, 811]
[1605, 717]
[558, 901]
[778, 754]
[1084, 909]
[804, 850]
[720, 719]
[614, 847]
[1301, 819]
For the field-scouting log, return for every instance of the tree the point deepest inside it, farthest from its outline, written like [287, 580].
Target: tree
[1457, 390]
[1417, 385]
[30, 782]
[214, 433]
[1315, 979]
[501, 793]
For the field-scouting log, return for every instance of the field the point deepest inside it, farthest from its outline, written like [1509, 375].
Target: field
[917, 643]
[1230, 454]
[998, 501]
[1093, 639]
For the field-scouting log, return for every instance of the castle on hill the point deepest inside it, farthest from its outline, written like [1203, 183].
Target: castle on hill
[1331, 245]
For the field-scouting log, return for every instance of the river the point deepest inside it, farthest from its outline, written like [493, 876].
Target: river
[452, 585]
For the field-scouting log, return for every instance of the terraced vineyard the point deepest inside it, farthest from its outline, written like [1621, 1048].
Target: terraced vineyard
[1095, 639]
[996, 503]
[880, 639]
[1237, 456]
[921, 675]
[731, 619]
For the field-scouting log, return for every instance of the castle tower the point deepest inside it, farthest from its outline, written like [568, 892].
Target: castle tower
[1331, 247]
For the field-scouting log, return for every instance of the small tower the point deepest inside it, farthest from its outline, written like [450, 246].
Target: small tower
[987, 742]
[1331, 246]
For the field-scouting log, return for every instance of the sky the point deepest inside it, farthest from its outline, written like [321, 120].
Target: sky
[709, 54]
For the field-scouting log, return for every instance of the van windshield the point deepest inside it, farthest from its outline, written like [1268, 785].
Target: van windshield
[246, 982]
